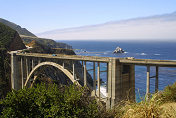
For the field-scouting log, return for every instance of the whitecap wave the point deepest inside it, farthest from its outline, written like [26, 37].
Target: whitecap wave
[157, 54]
[143, 54]
[107, 52]
[103, 93]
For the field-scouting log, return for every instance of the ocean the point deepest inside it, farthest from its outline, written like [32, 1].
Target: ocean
[138, 50]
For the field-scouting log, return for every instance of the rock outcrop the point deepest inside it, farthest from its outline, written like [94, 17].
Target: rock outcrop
[10, 39]
[118, 50]
[17, 43]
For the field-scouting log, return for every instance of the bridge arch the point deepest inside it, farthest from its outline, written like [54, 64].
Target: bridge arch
[65, 71]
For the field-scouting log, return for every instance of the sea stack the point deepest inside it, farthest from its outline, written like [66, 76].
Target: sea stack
[118, 50]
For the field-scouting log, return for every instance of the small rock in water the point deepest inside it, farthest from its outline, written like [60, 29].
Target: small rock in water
[119, 50]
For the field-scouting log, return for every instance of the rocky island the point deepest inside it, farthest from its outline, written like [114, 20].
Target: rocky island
[118, 50]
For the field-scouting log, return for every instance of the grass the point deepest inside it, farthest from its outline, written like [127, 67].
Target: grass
[160, 105]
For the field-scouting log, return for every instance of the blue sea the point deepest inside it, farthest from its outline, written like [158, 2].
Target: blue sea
[138, 50]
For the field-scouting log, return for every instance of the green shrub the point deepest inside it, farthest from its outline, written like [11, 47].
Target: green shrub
[169, 94]
[49, 101]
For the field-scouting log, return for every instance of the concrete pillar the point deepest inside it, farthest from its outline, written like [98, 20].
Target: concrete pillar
[32, 64]
[94, 79]
[39, 61]
[85, 74]
[132, 83]
[156, 80]
[107, 78]
[114, 83]
[98, 80]
[15, 72]
[73, 71]
[148, 83]
[109, 95]
[29, 65]
[63, 65]
[27, 69]
[127, 80]
[22, 75]
[120, 85]
[82, 68]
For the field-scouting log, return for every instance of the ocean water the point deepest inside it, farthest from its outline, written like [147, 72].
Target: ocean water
[138, 50]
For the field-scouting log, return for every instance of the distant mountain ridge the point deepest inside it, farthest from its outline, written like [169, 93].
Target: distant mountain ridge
[19, 29]
[151, 27]
[27, 36]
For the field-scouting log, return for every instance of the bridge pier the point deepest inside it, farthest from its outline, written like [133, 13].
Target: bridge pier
[148, 83]
[94, 79]
[39, 61]
[121, 83]
[32, 63]
[85, 74]
[148, 80]
[27, 70]
[22, 75]
[98, 80]
[156, 80]
[73, 71]
[16, 76]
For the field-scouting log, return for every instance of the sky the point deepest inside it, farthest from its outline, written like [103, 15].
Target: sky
[44, 15]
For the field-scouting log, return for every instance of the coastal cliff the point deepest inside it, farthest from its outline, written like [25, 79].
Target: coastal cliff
[27, 36]
[9, 41]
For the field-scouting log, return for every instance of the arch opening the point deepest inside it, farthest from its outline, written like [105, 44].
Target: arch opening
[42, 66]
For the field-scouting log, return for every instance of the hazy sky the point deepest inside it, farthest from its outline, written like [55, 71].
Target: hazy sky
[43, 15]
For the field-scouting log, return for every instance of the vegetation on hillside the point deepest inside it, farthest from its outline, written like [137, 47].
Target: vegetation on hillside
[46, 42]
[49, 101]
[9, 39]
[4, 73]
[6, 36]
[38, 48]
[21, 31]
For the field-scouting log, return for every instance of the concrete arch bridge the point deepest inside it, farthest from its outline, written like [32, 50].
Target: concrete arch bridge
[120, 72]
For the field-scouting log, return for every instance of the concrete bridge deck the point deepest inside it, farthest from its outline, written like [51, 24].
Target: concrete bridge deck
[69, 57]
[151, 62]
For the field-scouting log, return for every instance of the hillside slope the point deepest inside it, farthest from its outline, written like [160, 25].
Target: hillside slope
[27, 36]
[46, 42]
[19, 29]
[10, 39]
